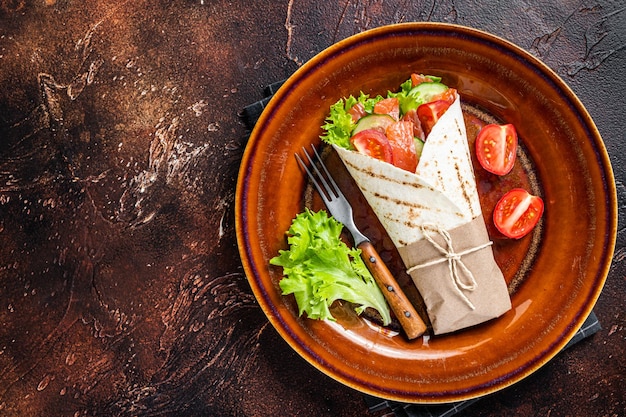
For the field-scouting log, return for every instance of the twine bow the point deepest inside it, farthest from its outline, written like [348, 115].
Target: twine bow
[455, 264]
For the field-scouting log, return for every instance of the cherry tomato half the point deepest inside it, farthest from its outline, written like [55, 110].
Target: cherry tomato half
[496, 146]
[400, 136]
[517, 213]
[429, 113]
[374, 143]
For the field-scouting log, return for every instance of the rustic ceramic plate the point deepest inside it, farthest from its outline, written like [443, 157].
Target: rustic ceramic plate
[555, 274]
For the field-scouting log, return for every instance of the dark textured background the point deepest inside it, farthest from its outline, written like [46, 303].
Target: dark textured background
[121, 289]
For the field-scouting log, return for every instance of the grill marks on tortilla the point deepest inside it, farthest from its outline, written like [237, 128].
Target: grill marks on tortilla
[462, 179]
[464, 188]
[444, 180]
[413, 210]
[461, 175]
[382, 177]
[397, 201]
[468, 188]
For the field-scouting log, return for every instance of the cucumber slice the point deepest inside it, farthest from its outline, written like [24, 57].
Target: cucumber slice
[373, 121]
[424, 92]
[419, 146]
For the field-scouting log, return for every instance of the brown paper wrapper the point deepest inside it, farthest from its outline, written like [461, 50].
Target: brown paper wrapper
[449, 306]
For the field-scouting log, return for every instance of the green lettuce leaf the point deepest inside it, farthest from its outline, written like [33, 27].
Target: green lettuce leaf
[320, 268]
[406, 100]
[338, 126]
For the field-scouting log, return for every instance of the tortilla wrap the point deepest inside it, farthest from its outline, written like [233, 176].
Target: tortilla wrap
[432, 216]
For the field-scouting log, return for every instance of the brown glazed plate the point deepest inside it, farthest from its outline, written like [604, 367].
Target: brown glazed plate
[555, 275]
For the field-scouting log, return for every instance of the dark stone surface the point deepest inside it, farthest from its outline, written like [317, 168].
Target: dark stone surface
[121, 288]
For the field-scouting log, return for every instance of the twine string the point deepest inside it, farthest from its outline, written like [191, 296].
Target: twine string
[461, 276]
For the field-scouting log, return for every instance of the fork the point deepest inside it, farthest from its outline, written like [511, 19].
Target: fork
[341, 210]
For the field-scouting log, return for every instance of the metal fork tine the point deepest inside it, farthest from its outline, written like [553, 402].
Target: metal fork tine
[335, 187]
[330, 192]
[322, 188]
[311, 176]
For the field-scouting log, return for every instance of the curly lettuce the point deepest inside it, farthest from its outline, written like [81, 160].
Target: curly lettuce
[339, 124]
[320, 268]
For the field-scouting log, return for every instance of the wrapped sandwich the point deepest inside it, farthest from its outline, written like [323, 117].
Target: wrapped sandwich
[409, 155]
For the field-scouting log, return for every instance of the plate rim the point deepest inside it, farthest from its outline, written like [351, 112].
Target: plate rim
[260, 293]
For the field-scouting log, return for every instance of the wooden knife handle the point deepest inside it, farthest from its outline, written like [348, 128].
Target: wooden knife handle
[410, 321]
